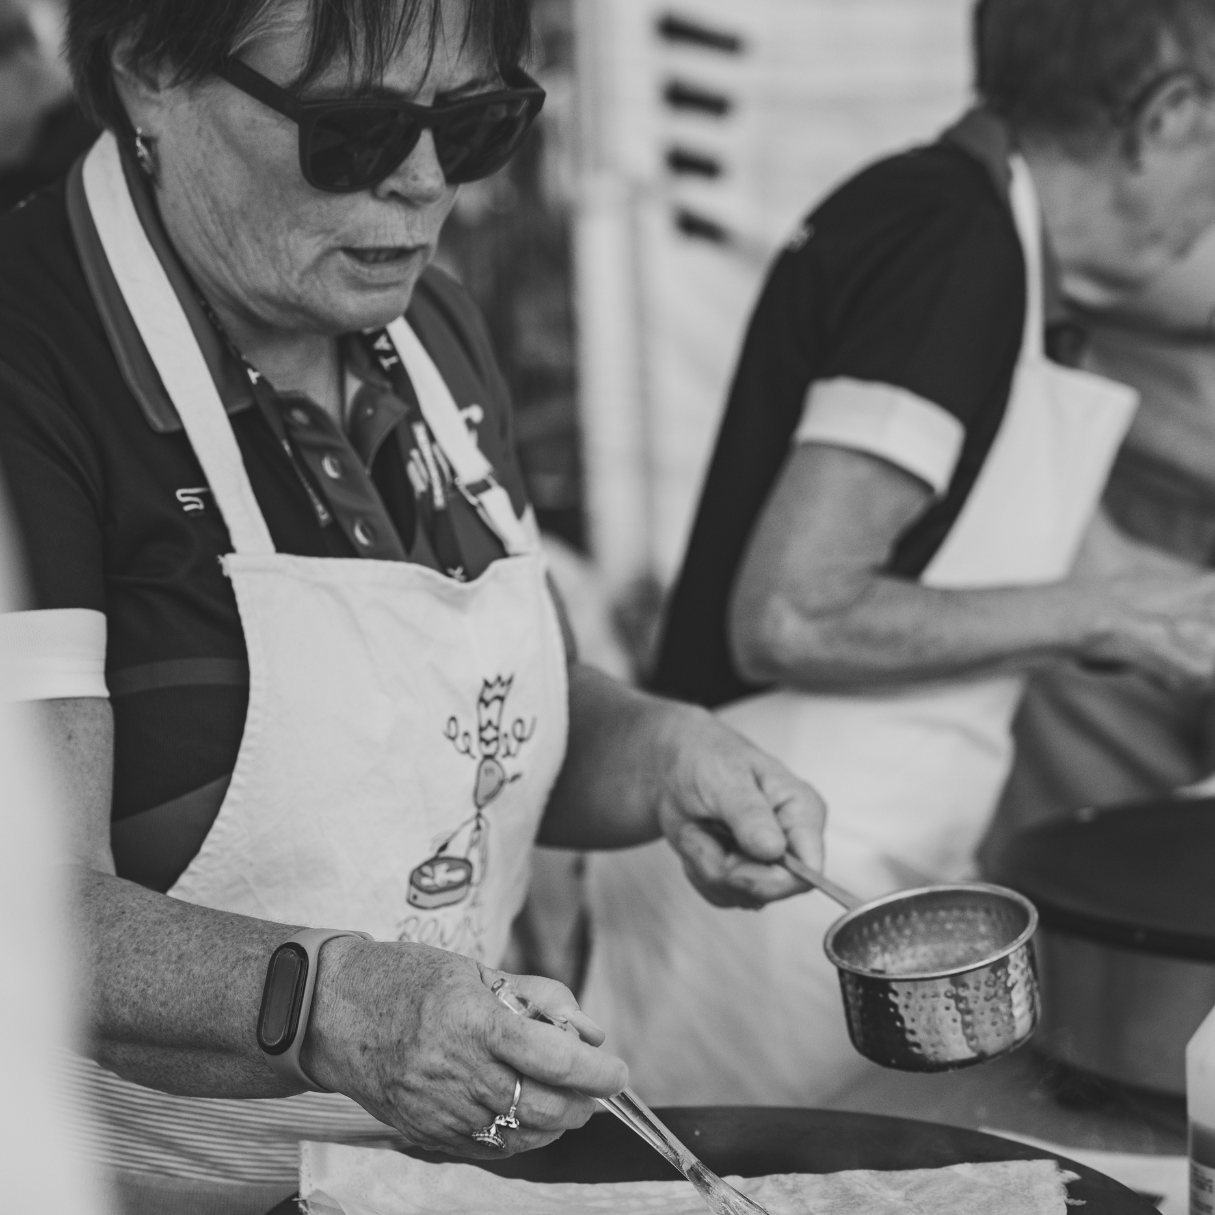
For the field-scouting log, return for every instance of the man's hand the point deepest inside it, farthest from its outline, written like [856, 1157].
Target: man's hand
[417, 1038]
[717, 779]
[1138, 606]
[1162, 624]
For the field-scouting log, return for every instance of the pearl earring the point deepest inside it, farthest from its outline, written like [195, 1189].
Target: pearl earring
[145, 154]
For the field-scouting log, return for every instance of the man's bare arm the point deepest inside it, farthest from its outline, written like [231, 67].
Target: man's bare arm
[813, 608]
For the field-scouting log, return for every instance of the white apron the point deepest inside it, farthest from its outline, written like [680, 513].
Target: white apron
[725, 1006]
[404, 731]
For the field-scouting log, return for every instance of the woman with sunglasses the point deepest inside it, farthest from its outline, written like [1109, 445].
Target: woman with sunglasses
[304, 677]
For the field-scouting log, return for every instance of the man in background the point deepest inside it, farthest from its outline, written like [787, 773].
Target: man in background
[41, 129]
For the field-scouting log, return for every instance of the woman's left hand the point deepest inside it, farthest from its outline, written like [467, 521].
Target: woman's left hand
[719, 780]
[639, 766]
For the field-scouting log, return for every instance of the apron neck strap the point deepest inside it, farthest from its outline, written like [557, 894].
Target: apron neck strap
[172, 346]
[1028, 216]
[473, 473]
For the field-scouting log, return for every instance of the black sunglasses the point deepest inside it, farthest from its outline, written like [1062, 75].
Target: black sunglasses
[355, 143]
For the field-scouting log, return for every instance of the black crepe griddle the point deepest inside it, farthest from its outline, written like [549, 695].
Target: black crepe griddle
[1140, 877]
[757, 1142]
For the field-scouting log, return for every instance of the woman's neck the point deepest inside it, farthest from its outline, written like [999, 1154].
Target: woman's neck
[305, 363]
[292, 360]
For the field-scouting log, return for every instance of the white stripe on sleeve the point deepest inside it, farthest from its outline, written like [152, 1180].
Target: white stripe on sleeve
[882, 420]
[54, 654]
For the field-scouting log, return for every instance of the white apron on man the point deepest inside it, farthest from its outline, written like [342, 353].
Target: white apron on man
[404, 731]
[711, 1006]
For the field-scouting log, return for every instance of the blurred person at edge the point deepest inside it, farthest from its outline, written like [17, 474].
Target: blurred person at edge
[901, 519]
[40, 1150]
[301, 663]
[41, 127]
[1098, 738]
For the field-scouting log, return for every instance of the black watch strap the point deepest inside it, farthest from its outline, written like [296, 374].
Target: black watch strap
[282, 1021]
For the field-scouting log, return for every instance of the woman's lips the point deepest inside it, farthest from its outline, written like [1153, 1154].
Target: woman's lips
[381, 255]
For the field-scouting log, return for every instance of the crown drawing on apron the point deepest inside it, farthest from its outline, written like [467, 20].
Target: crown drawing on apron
[494, 741]
[447, 878]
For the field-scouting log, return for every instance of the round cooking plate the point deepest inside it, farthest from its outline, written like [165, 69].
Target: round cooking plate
[754, 1142]
[1140, 877]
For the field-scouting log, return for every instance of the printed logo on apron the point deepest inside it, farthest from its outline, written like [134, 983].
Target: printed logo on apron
[457, 870]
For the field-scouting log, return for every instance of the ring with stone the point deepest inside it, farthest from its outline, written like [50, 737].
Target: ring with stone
[491, 1135]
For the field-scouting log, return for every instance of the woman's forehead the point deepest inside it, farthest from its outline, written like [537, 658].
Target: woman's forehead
[413, 43]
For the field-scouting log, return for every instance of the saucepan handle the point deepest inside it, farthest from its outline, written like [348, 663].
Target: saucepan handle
[820, 881]
[793, 863]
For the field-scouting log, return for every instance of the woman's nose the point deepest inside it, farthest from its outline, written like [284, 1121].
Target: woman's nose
[419, 178]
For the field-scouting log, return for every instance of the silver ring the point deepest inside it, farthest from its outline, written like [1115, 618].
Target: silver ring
[491, 1135]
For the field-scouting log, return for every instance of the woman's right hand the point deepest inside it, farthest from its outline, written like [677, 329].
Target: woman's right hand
[415, 1036]
[1160, 623]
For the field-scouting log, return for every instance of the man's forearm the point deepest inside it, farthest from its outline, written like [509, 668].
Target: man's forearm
[174, 989]
[894, 633]
[606, 795]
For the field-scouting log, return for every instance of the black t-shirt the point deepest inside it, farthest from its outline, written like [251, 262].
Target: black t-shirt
[116, 519]
[891, 325]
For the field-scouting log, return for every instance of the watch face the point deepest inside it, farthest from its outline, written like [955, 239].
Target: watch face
[281, 998]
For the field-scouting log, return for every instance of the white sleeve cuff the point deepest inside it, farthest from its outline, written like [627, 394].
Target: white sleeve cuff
[896, 425]
[53, 655]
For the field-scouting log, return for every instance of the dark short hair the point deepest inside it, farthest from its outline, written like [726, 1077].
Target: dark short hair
[193, 37]
[1081, 68]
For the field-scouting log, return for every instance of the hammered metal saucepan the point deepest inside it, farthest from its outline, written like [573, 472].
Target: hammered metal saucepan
[937, 978]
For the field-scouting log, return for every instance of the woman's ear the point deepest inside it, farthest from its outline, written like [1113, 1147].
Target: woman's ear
[142, 90]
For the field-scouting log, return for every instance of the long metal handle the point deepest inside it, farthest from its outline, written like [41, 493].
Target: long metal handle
[719, 1196]
[638, 1117]
[627, 1106]
[812, 877]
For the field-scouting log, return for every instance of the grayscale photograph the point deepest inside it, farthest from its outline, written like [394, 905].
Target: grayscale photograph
[607, 606]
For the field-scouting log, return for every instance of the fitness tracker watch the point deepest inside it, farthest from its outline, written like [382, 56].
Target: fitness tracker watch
[286, 1007]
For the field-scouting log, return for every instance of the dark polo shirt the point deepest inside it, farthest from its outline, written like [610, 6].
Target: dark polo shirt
[116, 518]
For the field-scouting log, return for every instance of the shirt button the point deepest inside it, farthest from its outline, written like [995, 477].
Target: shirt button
[363, 533]
[333, 467]
[299, 416]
